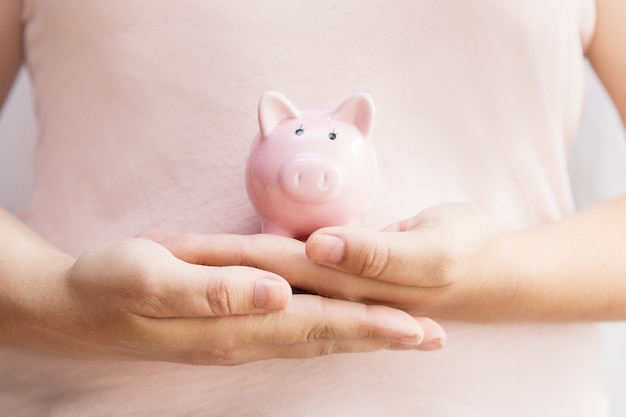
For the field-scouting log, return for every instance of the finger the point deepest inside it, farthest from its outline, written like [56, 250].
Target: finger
[224, 249]
[311, 326]
[405, 258]
[180, 289]
[434, 335]
[283, 256]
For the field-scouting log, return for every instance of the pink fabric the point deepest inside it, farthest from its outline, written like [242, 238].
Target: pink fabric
[147, 111]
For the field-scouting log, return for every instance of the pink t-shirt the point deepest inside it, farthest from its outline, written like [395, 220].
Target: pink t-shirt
[147, 110]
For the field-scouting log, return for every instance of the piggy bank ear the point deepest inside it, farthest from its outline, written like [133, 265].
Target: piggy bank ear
[273, 109]
[358, 109]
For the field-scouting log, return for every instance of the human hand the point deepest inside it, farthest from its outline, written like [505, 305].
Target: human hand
[277, 253]
[440, 263]
[444, 262]
[134, 299]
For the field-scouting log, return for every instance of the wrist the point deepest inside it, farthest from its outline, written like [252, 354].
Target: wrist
[35, 310]
[516, 268]
[554, 277]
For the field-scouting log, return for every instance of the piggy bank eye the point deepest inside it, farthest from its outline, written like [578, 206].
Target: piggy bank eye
[332, 135]
[300, 131]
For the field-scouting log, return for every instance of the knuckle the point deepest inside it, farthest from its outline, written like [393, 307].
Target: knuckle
[330, 348]
[322, 329]
[373, 259]
[221, 297]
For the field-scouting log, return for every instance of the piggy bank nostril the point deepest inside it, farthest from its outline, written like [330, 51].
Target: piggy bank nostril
[322, 182]
[309, 179]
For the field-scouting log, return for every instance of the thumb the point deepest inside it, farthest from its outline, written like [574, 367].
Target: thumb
[397, 257]
[205, 291]
[217, 290]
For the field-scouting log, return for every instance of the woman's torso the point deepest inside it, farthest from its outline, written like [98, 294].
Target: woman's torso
[147, 111]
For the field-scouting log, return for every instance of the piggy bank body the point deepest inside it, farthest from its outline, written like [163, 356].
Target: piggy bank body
[309, 169]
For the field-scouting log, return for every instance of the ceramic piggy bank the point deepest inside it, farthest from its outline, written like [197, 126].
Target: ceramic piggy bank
[309, 169]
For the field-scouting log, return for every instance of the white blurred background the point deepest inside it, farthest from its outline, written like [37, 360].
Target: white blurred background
[598, 170]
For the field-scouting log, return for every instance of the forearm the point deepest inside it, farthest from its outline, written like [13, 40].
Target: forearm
[607, 50]
[29, 267]
[576, 268]
[570, 270]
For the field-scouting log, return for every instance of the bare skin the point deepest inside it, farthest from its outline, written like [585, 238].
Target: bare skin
[451, 261]
[133, 299]
[448, 262]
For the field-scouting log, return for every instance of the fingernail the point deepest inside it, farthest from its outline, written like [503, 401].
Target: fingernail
[432, 345]
[328, 249]
[409, 340]
[270, 294]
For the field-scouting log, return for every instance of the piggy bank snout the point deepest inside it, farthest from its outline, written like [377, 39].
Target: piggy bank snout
[310, 179]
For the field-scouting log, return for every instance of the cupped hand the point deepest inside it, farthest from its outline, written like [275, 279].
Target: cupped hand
[134, 299]
[447, 262]
[441, 263]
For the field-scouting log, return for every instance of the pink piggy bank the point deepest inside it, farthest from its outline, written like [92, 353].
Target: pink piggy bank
[309, 169]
